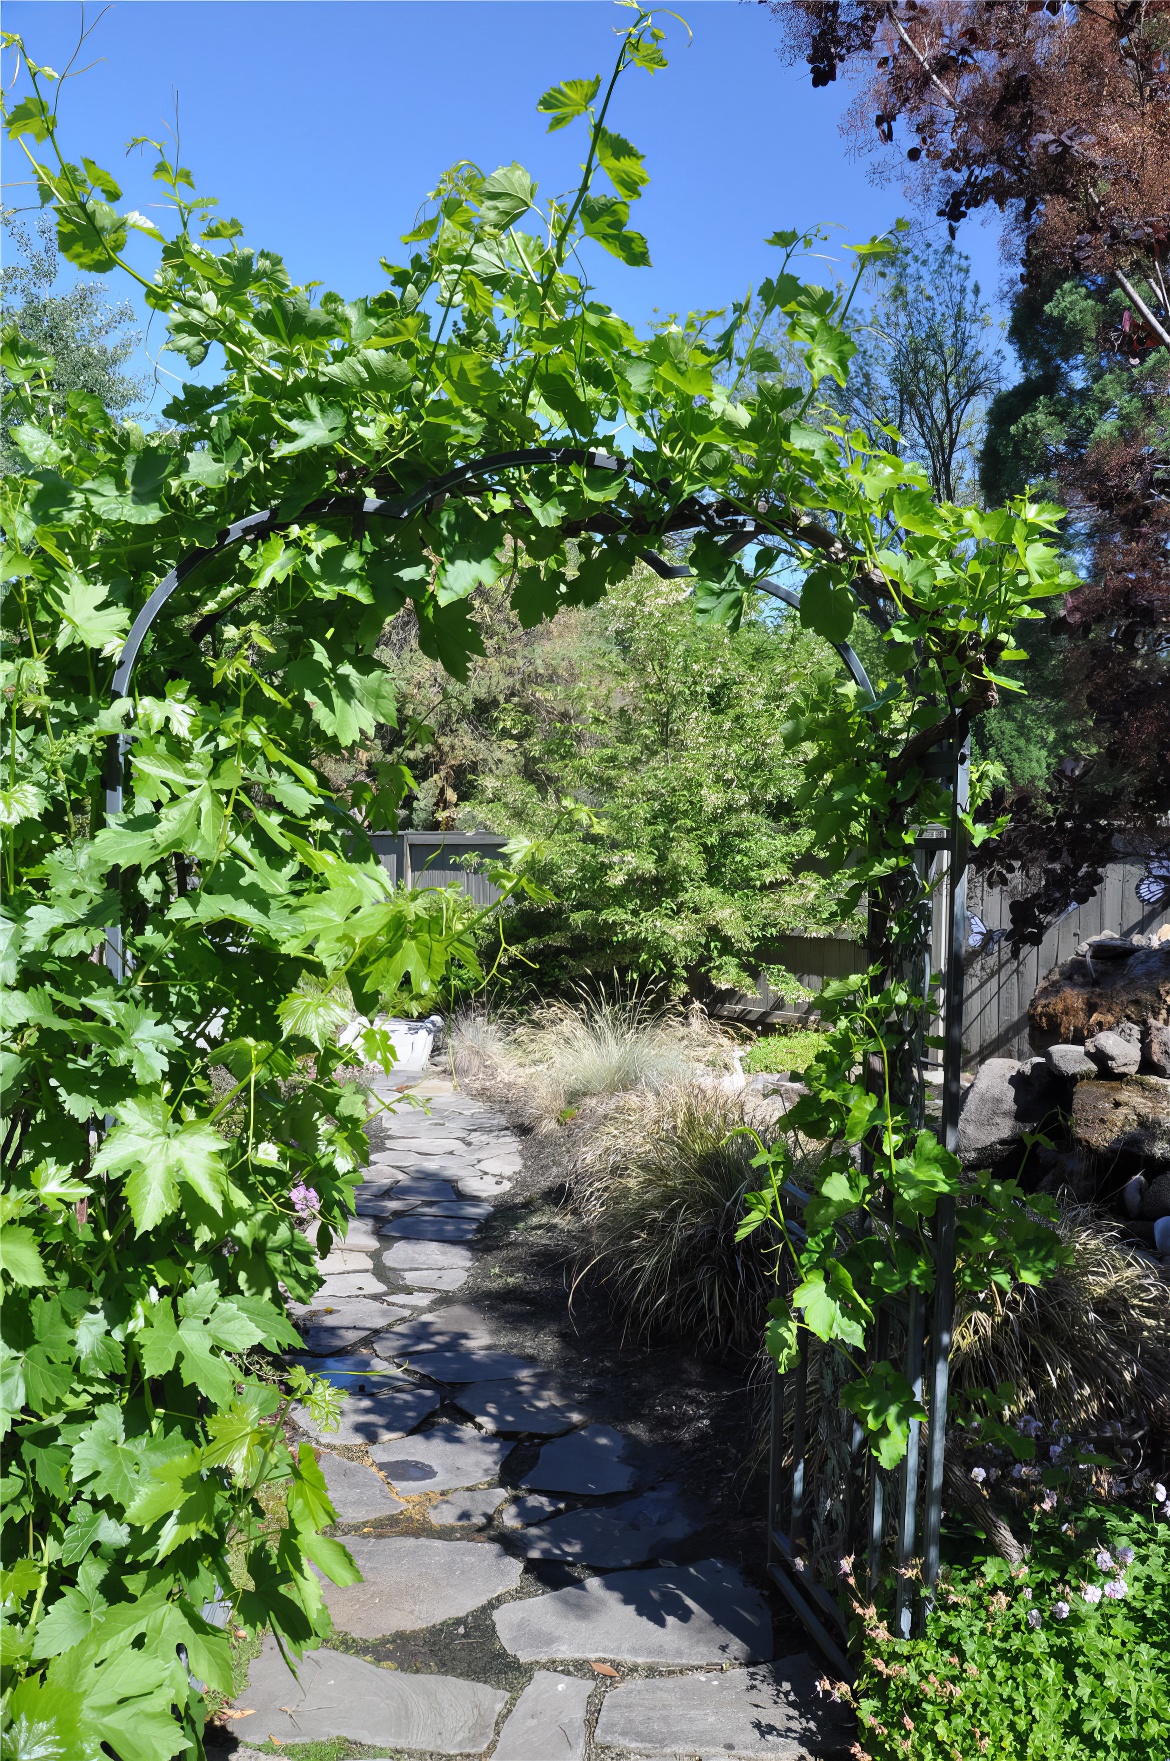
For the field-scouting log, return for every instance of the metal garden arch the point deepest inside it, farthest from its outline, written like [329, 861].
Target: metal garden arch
[941, 858]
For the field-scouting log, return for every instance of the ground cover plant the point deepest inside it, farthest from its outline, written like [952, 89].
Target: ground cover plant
[154, 1205]
[772, 1052]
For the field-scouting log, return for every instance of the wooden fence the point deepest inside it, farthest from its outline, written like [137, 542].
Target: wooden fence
[441, 859]
[999, 988]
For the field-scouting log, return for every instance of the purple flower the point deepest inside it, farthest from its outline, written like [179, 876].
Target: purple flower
[1034, 1617]
[1061, 1610]
[1125, 1556]
[1104, 1560]
[1117, 1589]
[1027, 1595]
[1090, 1592]
[304, 1199]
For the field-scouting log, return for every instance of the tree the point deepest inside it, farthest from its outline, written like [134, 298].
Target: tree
[1058, 116]
[667, 731]
[88, 339]
[926, 364]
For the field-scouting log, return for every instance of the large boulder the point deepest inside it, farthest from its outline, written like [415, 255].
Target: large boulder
[1129, 1119]
[1006, 1099]
[1108, 984]
[1156, 1048]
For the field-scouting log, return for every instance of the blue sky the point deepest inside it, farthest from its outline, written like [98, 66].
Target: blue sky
[321, 124]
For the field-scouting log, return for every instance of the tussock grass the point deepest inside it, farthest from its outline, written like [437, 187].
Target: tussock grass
[660, 1180]
[1090, 1345]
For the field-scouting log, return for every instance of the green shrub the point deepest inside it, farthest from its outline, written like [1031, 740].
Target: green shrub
[784, 1051]
[1035, 1662]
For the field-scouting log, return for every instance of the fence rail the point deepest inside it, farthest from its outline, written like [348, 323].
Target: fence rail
[441, 859]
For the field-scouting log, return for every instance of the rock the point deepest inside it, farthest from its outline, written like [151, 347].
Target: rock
[474, 1509]
[360, 1238]
[342, 1259]
[591, 1462]
[547, 1722]
[531, 1509]
[702, 1613]
[1071, 1062]
[439, 1279]
[459, 1326]
[501, 1165]
[456, 1365]
[428, 1144]
[349, 1284]
[358, 1493]
[621, 1534]
[1108, 947]
[770, 1713]
[472, 1210]
[1006, 1099]
[334, 1327]
[374, 1418]
[1156, 1199]
[443, 1460]
[1084, 997]
[1156, 1047]
[1113, 1055]
[418, 1228]
[1162, 1235]
[411, 1256]
[1131, 1195]
[342, 1696]
[1130, 1117]
[410, 1582]
[518, 1405]
[359, 1374]
[483, 1185]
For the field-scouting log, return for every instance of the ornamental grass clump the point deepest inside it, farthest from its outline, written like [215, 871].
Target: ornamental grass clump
[661, 1181]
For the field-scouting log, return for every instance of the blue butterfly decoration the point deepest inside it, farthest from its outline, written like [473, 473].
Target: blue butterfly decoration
[1154, 886]
[980, 939]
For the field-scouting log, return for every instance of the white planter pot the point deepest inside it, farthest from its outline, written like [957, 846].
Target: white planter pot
[413, 1041]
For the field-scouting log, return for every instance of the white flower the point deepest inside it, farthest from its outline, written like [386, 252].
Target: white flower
[1104, 1560]
[1034, 1617]
[1117, 1589]
[978, 1474]
[1061, 1610]
[1048, 1502]
[1090, 1592]
[1159, 1494]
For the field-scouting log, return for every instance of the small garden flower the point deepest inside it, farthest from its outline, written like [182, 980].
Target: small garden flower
[1104, 1560]
[1061, 1610]
[1159, 1494]
[1048, 1502]
[1117, 1589]
[1034, 1617]
[978, 1474]
[1090, 1592]
[304, 1200]
[1125, 1556]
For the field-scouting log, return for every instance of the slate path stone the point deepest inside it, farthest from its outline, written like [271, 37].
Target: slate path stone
[458, 1325]
[504, 1165]
[771, 1713]
[455, 1365]
[349, 1284]
[374, 1418]
[475, 1210]
[359, 1374]
[416, 1228]
[437, 1278]
[428, 1256]
[441, 1460]
[342, 1696]
[532, 1509]
[620, 1534]
[702, 1613]
[475, 1508]
[547, 1722]
[410, 1582]
[358, 1493]
[335, 1327]
[344, 1259]
[593, 1461]
[360, 1238]
[483, 1185]
[521, 1405]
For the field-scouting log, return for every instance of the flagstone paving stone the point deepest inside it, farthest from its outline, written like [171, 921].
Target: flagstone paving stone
[343, 1259]
[476, 1209]
[360, 1238]
[360, 1372]
[456, 1364]
[483, 1185]
[504, 1165]
[335, 1327]
[524, 1404]
[593, 1462]
[531, 1509]
[441, 1460]
[437, 1278]
[629, 1533]
[342, 1696]
[425, 1191]
[475, 1508]
[769, 1713]
[412, 1581]
[547, 1722]
[349, 1284]
[375, 1417]
[358, 1493]
[702, 1613]
[428, 1255]
[416, 1228]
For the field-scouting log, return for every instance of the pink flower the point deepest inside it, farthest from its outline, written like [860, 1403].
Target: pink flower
[1104, 1560]
[305, 1201]
[1117, 1589]
[1048, 1502]
[1091, 1593]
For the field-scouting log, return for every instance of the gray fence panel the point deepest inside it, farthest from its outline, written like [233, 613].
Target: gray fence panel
[999, 989]
[441, 859]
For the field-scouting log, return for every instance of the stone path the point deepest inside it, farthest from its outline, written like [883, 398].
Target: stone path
[497, 1528]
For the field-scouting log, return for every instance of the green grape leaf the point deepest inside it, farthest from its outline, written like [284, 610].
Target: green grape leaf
[562, 103]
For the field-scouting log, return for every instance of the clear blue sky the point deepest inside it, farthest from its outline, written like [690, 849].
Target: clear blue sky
[321, 124]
